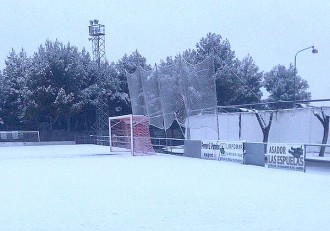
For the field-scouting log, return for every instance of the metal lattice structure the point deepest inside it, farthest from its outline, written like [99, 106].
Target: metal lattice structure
[97, 36]
[173, 92]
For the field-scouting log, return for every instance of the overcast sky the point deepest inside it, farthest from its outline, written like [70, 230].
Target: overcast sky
[271, 31]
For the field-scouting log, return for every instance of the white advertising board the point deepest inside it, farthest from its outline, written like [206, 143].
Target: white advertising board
[286, 156]
[231, 151]
[222, 150]
[210, 150]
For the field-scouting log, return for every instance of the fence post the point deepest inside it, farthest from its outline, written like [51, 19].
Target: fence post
[305, 157]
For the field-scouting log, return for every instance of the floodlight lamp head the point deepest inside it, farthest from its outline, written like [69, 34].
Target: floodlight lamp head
[96, 21]
[91, 22]
[315, 51]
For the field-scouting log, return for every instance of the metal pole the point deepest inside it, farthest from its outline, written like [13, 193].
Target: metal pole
[295, 71]
[132, 134]
[110, 139]
[294, 80]
[305, 157]
[218, 128]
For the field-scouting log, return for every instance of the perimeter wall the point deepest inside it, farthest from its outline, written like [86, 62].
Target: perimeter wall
[288, 126]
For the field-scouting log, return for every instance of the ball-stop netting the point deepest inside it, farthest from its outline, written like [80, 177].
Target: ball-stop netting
[173, 92]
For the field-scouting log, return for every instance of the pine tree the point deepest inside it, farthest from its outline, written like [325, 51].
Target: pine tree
[248, 87]
[237, 82]
[57, 75]
[14, 90]
[279, 82]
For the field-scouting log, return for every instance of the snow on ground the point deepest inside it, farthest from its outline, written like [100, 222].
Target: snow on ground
[70, 188]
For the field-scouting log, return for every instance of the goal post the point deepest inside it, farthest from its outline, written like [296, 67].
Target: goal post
[19, 136]
[130, 133]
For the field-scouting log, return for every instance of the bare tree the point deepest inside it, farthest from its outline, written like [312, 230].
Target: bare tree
[265, 127]
[324, 119]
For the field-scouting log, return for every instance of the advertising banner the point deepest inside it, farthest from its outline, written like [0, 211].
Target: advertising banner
[231, 151]
[210, 150]
[286, 156]
[222, 150]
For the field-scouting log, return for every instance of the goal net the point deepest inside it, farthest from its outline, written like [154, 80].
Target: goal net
[130, 133]
[19, 136]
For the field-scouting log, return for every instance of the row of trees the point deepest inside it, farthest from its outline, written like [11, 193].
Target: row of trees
[241, 81]
[57, 86]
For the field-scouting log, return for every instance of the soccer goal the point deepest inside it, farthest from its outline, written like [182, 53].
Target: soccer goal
[130, 133]
[19, 136]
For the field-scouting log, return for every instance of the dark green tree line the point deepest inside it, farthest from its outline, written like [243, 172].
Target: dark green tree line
[57, 86]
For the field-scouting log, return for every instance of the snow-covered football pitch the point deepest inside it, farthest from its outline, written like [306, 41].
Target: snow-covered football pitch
[78, 187]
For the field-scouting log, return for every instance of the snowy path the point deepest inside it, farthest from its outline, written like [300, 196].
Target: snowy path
[42, 190]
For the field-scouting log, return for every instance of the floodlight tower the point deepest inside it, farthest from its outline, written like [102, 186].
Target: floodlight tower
[97, 36]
